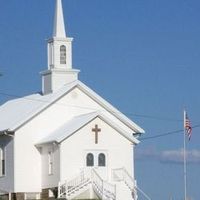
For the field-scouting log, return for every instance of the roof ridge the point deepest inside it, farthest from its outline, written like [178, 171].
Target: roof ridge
[50, 99]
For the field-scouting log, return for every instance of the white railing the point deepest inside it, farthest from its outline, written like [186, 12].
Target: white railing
[65, 188]
[77, 183]
[122, 174]
[97, 183]
[61, 189]
[103, 189]
[109, 191]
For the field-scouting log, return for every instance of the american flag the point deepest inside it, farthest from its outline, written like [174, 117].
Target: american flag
[188, 127]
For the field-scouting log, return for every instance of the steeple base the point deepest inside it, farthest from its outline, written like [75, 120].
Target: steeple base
[54, 79]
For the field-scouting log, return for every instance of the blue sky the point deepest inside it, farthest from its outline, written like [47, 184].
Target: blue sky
[141, 55]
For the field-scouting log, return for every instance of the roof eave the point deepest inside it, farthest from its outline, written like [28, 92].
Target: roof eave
[110, 108]
[7, 132]
[95, 97]
[123, 133]
[46, 143]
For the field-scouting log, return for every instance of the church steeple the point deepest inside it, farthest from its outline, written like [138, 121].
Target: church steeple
[60, 71]
[59, 25]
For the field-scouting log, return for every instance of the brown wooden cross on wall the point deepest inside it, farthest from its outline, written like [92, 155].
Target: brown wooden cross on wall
[96, 130]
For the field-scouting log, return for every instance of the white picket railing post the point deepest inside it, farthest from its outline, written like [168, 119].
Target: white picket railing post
[102, 191]
[75, 184]
[59, 190]
[66, 188]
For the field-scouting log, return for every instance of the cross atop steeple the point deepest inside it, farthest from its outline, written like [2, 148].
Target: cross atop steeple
[59, 25]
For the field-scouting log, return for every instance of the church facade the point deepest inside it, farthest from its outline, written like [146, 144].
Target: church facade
[66, 142]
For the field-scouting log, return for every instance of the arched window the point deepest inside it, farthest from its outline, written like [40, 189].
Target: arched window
[90, 160]
[2, 161]
[102, 160]
[63, 54]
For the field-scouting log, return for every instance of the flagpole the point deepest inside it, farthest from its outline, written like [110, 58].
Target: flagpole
[184, 155]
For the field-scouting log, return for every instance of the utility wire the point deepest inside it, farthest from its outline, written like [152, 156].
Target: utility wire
[167, 133]
[161, 135]
[136, 115]
[62, 104]
[157, 118]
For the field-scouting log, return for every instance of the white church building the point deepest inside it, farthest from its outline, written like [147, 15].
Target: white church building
[65, 142]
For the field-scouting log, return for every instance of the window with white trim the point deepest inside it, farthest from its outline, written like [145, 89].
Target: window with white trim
[96, 158]
[90, 160]
[50, 162]
[2, 161]
[101, 160]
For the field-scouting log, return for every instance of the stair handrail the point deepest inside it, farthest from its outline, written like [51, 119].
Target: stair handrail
[68, 187]
[62, 186]
[77, 182]
[121, 174]
[103, 188]
[97, 182]
[109, 191]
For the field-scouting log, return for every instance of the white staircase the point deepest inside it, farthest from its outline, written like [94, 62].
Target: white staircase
[105, 190]
[81, 183]
[122, 175]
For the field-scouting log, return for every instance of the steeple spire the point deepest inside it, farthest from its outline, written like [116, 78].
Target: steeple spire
[59, 25]
[59, 71]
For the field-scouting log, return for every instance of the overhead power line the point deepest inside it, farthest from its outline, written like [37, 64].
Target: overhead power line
[167, 133]
[135, 115]
[84, 107]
